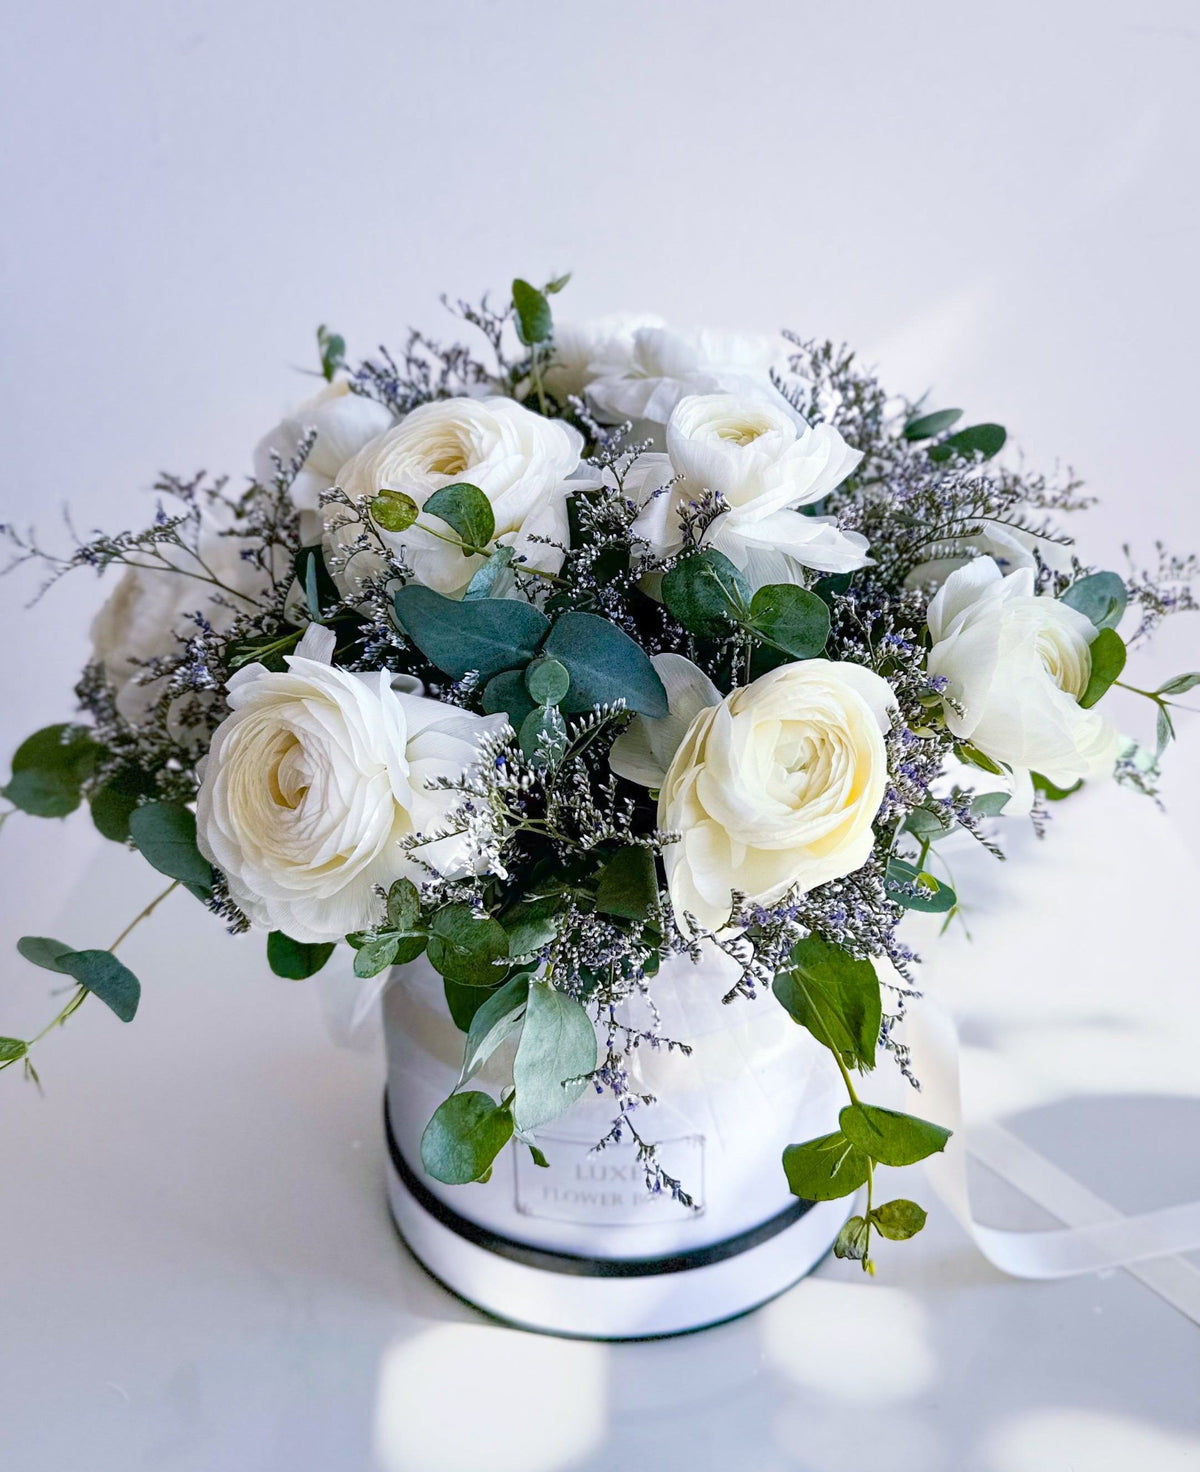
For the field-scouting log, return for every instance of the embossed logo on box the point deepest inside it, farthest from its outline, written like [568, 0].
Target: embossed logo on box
[607, 1187]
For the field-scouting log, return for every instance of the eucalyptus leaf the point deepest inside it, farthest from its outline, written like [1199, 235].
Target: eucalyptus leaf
[926, 426]
[394, 511]
[1164, 730]
[1108, 660]
[898, 1220]
[890, 1137]
[465, 508]
[43, 794]
[547, 681]
[464, 1136]
[375, 955]
[493, 578]
[499, 1016]
[403, 905]
[1179, 685]
[464, 1001]
[835, 995]
[332, 349]
[42, 951]
[706, 592]
[982, 439]
[165, 836]
[63, 748]
[604, 665]
[112, 804]
[296, 960]
[106, 978]
[628, 884]
[535, 322]
[465, 946]
[531, 926]
[928, 896]
[851, 1242]
[990, 804]
[543, 736]
[11, 1049]
[928, 824]
[557, 1048]
[825, 1169]
[1048, 789]
[506, 693]
[486, 635]
[1100, 597]
[792, 618]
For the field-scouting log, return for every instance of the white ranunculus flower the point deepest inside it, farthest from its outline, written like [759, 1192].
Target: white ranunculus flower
[1016, 665]
[765, 461]
[314, 779]
[773, 789]
[646, 380]
[520, 460]
[585, 350]
[152, 610]
[344, 423]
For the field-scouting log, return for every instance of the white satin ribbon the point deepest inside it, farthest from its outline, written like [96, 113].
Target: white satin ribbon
[1096, 1236]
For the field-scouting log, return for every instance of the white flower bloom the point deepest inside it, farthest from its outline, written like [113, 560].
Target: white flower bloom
[344, 423]
[764, 461]
[585, 350]
[313, 781]
[1016, 665]
[151, 611]
[773, 789]
[518, 459]
[660, 367]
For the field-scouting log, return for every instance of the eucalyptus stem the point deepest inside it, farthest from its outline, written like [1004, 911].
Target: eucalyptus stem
[469, 549]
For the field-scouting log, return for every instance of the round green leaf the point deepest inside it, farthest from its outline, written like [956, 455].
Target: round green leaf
[43, 794]
[543, 736]
[890, 1137]
[604, 665]
[705, 592]
[107, 978]
[465, 947]
[374, 956]
[393, 511]
[486, 635]
[465, 508]
[835, 995]
[295, 960]
[628, 884]
[927, 895]
[557, 1048]
[42, 951]
[62, 748]
[898, 1220]
[1100, 597]
[403, 905]
[165, 836]
[1107, 652]
[535, 322]
[791, 618]
[825, 1169]
[982, 439]
[547, 681]
[464, 1136]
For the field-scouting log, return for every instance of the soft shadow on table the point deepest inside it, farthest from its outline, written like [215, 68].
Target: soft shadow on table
[940, 1359]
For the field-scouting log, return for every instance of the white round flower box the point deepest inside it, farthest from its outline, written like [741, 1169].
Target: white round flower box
[582, 1247]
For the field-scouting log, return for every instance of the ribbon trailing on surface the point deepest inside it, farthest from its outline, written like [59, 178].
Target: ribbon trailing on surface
[1095, 1238]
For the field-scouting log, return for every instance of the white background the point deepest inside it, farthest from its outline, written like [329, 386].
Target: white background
[997, 202]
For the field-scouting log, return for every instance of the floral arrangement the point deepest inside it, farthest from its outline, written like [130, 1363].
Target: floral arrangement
[596, 646]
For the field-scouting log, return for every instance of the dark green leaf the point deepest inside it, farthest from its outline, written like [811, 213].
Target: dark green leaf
[47, 751]
[296, 959]
[554, 287]
[486, 635]
[408, 948]
[558, 1047]
[825, 1169]
[705, 592]
[531, 926]
[537, 1156]
[506, 692]
[465, 946]
[465, 508]
[928, 895]
[984, 439]
[44, 952]
[535, 322]
[1049, 791]
[853, 1239]
[403, 905]
[1108, 660]
[490, 576]
[628, 885]
[464, 1001]
[43, 794]
[605, 666]
[543, 736]
[107, 978]
[11, 1049]
[165, 835]
[1179, 685]
[792, 618]
[464, 1136]
[835, 995]
[898, 1220]
[499, 1016]
[925, 426]
[375, 955]
[890, 1137]
[393, 510]
[547, 681]
[113, 804]
[1101, 597]
[310, 588]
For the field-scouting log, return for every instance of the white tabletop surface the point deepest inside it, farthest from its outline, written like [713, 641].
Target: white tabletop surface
[198, 1272]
